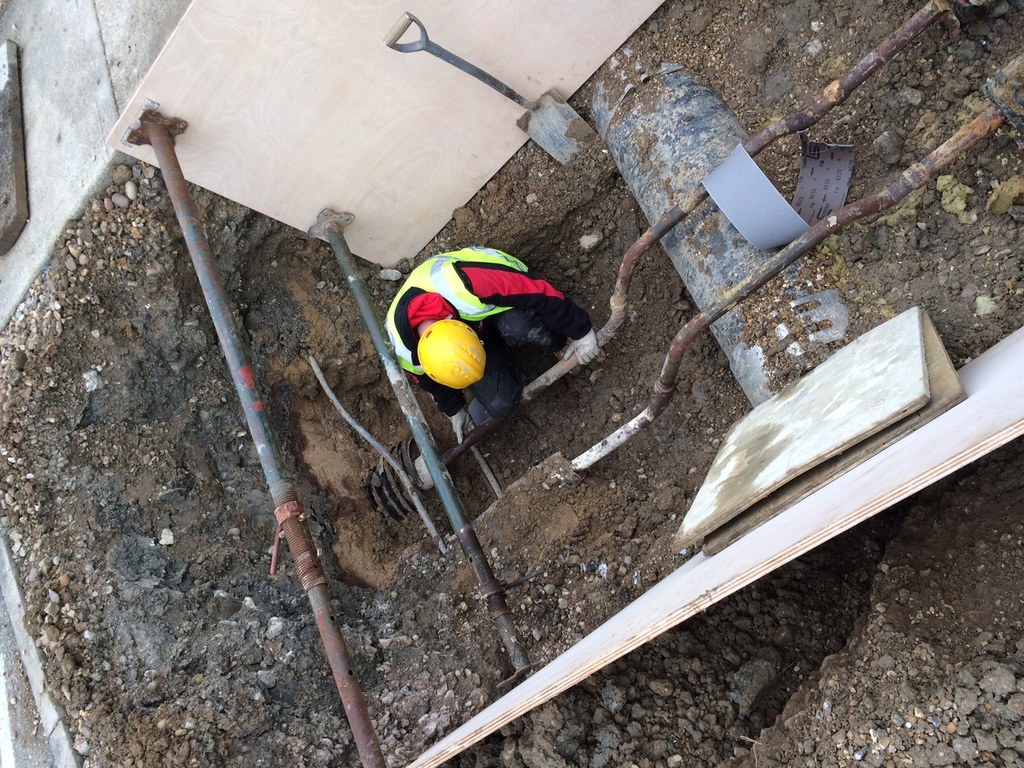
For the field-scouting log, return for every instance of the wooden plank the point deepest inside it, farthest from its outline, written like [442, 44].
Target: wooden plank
[297, 105]
[990, 416]
[872, 382]
[946, 391]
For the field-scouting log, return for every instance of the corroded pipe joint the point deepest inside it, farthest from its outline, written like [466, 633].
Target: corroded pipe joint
[289, 510]
[490, 588]
[496, 605]
[282, 492]
[292, 519]
[663, 389]
[139, 134]
[618, 305]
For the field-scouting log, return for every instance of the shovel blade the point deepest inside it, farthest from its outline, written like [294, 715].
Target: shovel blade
[557, 128]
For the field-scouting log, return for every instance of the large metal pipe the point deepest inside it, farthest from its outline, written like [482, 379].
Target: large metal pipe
[913, 178]
[331, 225]
[666, 132]
[665, 135]
[157, 130]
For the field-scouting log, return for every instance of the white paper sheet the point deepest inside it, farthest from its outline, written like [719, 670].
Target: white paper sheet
[752, 203]
[760, 213]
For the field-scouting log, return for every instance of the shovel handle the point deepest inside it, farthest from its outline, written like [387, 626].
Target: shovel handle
[428, 45]
[393, 35]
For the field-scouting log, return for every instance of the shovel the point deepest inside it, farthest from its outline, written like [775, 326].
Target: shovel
[549, 120]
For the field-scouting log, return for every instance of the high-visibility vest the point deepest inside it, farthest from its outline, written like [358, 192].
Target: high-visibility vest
[438, 275]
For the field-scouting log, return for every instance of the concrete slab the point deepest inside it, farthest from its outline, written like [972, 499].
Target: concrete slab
[872, 382]
[22, 741]
[70, 93]
[133, 34]
[13, 192]
[68, 108]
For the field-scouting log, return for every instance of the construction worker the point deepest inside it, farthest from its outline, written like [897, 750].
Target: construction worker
[456, 316]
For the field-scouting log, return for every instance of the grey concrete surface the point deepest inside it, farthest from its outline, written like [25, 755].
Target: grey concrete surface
[80, 60]
[133, 34]
[31, 726]
[22, 741]
[68, 106]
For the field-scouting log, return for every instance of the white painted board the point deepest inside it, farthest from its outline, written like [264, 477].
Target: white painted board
[298, 105]
[992, 415]
[872, 382]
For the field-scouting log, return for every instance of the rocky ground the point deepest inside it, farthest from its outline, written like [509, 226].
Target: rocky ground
[138, 515]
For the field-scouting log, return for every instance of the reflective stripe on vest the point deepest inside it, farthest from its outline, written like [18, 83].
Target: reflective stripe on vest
[438, 275]
[402, 353]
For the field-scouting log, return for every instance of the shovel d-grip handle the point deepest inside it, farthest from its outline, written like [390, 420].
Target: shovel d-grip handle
[395, 33]
[426, 44]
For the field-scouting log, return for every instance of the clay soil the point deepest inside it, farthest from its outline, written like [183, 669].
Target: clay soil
[140, 522]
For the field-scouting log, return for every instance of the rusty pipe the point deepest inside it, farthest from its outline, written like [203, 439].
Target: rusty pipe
[158, 131]
[839, 90]
[834, 94]
[916, 176]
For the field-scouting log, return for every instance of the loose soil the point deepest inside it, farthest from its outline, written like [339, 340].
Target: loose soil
[140, 522]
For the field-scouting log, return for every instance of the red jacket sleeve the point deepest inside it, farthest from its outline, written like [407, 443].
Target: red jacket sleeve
[413, 308]
[507, 287]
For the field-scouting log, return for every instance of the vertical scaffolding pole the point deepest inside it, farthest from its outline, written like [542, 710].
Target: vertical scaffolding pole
[158, 131]
[331, 225]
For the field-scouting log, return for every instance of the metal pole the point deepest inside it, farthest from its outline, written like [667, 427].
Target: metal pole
[157, 131]
[331, 225]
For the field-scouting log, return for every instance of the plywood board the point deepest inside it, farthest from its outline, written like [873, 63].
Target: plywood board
[870, 383]
[990, 416]
[945, 390]
[297, 105]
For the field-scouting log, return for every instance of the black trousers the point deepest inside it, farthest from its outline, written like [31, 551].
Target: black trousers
[501, 388]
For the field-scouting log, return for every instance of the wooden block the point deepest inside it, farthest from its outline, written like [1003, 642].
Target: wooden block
[13, 185]
[867, 385]
[298, 105]
[991, 415]
[946, 391]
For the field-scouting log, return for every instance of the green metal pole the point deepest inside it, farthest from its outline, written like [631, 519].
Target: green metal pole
[331, 225]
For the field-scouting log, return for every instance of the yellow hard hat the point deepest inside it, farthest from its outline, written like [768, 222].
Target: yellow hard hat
[451, 354]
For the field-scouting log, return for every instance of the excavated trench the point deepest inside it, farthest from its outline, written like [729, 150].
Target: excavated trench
[139, 503]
